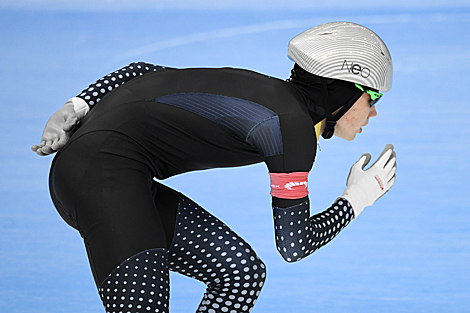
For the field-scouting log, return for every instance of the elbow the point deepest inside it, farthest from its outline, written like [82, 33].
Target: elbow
[290, 255]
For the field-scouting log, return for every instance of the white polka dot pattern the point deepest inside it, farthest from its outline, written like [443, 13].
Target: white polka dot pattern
[299, 235]
[139, 284]
[96, 91]
[206, 249]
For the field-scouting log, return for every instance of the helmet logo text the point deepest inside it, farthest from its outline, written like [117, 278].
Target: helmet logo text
[356, 69]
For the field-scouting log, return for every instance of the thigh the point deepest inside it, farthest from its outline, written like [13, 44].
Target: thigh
[206, 249]
[166, 202]
[104, 186]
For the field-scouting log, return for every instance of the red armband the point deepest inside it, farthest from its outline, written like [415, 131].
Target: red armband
[289, 185]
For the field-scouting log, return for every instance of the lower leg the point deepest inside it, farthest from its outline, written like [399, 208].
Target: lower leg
[139, 284]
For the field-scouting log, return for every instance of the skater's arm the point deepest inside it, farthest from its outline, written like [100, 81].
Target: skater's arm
[96, 91]
[298, 234]
[61, 124]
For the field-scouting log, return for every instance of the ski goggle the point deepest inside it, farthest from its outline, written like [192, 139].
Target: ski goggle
[374, 96]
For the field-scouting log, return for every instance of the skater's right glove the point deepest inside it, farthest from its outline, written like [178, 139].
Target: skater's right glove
[364, 187]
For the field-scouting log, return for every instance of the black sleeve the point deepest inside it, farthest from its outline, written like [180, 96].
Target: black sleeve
[96, 91]
[299, 145]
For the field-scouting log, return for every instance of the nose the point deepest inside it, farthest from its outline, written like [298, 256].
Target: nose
[372, 112]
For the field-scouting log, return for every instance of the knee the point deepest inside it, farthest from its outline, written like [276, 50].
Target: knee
[258, 270]
[248, 272]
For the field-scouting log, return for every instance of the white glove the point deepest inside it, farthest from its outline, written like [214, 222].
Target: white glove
[364, 187]
[60, 126]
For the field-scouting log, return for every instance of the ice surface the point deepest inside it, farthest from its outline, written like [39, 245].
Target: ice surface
[407, 253]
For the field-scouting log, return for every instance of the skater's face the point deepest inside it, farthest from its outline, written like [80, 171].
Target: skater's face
[355, 118]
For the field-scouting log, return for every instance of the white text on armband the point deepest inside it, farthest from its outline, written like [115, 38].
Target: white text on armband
[289, 185]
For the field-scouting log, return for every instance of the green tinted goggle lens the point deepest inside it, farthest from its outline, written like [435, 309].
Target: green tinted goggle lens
[374, 96]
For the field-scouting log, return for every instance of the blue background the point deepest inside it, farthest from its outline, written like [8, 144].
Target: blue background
[407, 253]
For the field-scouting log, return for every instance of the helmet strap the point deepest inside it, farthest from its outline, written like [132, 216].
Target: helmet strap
[330, 119]
[330, 122]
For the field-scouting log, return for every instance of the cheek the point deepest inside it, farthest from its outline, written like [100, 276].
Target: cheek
[363, 115]
[355, 120]
[355, 117]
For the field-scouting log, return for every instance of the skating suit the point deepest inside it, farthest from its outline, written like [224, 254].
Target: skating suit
[148, 123]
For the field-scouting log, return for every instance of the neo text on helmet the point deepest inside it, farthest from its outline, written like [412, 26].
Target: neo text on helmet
[356, 69]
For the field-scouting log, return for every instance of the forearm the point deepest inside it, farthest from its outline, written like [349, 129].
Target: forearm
[298, 234]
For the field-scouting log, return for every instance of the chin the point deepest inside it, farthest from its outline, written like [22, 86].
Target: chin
[347, 138]
[350, 137]
[347, 135]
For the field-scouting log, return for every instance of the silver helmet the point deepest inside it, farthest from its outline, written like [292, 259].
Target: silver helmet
[345, 51]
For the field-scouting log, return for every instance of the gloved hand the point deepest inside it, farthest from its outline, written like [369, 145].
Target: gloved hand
[364, 187]
[60, 125]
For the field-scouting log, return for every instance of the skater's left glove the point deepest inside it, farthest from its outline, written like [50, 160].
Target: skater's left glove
[364, 187]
